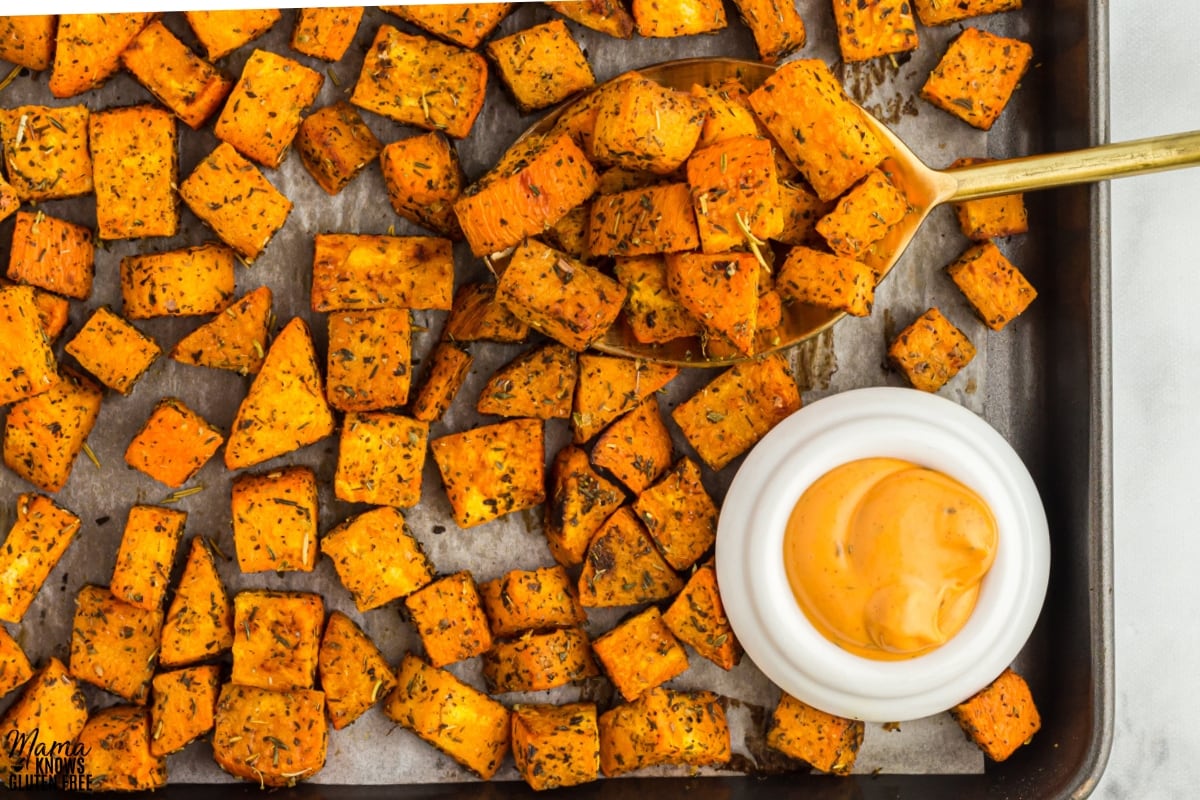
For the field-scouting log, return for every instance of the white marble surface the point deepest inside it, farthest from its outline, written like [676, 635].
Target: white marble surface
[1155, 88]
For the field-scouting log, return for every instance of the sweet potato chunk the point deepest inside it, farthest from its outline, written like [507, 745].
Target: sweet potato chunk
[199, 623]
[189, 86]
[184, 707]
[735, 193]
[720, 290]
[43, 434]
[556, 746]
[353, 673]
[537, 661]
[622, 567]
[539, 383]
[996, 289]
[46, 154]
[679, 514]
[325, 33]
[377, 558]
[27, 364]
[477, 314]
[580, 501]
[943, 12]
[636, 448]
[1001, 717]
[801, 208]
[276, 636]
[113, 350]
[173, 444]
[234, 340]
[840, 283]
[492, 470]
[606, 16]
[640, 653]
[827, 742]
[271, 738]
[188, 282]
[15, 668]
[52, 709]
[977, 76]
[335, 145]
[34, 544]
[423, 179]
[777, 27]
[135, 171]
[931, 351]
[863, 215]
[610, 386]
[370, 359]
[542, 65]
[990, 217]
[654, 219]
[275, 520]
[28, 40]
[380, 459]
[359, 271]
[87, 49]
[146, 555]
[644, 125]
[872, 28]
[263, 111]
[448, 369]
[696, 617]
[653, 313]
[52, 254]
[525, 600]
[222, 32]
[664, 727]
[684, 18]
[465, 24]
[116, 741]
[114, 645]
[449, 618]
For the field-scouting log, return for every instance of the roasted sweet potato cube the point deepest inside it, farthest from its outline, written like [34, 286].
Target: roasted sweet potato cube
[353, 672]
[262, 114]
[836, 282]
[114, 645]
[542, 65]
[640, 653]
[570, 233]
[285, 408]
[556, 746]
[354, 272]
[697, 618]
[146, 555]
[728, 113]
[234, 340]
[492, 470]
[52, 311]
[801, 208]
[184, 707]
[43, 434]
[477, 314]
[679, 514]
[977, 76]
[417, 81]
[465, 24]
[626, 740]
[735, 193]
[178, 78]
[325, 33]
[558, 295]
[222, 32]
[15, 668]
[173, 444]
[525, 600]
[827, 742]
[135, 169]
[691, 727]
[199, 622]
[276, 636]
[737, 408]
[423, 179]
[538, 383]
[269, 737]
[654, 219]
[461, 721]
[27, 363]
[685, 18]
[872, 28]
[335, 145]
[509, 204]
[622, 567]
[450, 620]
[991, 217]
[87, 49]
[1001, 717]
[117, 752]
[177, 283]
[863, 215]
[537, 661]
[28, 40]
[606, 16]
[645, 125]
[943, 12]
[653, 313]
[636, 448]
[996, 289]
[370, 359]
[817, 125]
[52, 254]
[275, 520]
[931, 351]
[113, 350]
[609, 386]
[377, 558]
[777, 27]
[46, 154]
[580, 501]
[380, 459]
[448, 369]
[579, 119]
[241, 206]
[721, 291]
[52, 708]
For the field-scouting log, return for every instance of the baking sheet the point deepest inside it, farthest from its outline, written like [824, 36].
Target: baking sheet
[1002, 383]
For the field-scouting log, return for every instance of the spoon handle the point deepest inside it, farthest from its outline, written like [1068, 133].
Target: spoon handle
[1076, 166]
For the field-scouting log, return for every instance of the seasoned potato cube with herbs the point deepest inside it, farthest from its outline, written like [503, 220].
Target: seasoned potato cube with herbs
[697, 618]
[645, 125]
[478, 315]
[370, 359]
[685, 18]
[525, 600]
[46, 154]
[146, 555]
[872, 28]
[233, 198]
[610, 386]
[335, 145]
[355, 272]
[977, 76]
[801, 208]
[539, 383]
[605, 16]
[275, 520]
[116, 743]
[636, 222]
[285, 408]
[377, 558]
[735, 193]
[720, 290]
[448, 615]
[465, 24]
[325, 33]
[423, 179]
[43, 434]
[15, 668]
[262, 114]
[555, 746]
[777, 27]
[448, 367]
[135, 171]
[28, 40]
[199, 622]
[652, 311]
[492, 470]
[173, 444]
[679, 514]
[353, 672]
[276, 636]
[235, 339]
[178, 283]
[541, 65]
[737, 408]
[580, 502]
[943, 12]
[189, 86]
[114, 645]
[830, 281]
[417, 81]
[559, 296]
[1001, 717]
[996, 289]
[222, 32]
[990, 217]
[535, 661]
[461, 721]
[87, 49]
[636, 448]
[380, 459]
[728, 114]
[184, 707]
[52, 254]
[640, 653]
[623, 568]
[113, 350]
[52, 708]
[931, 351]
[269, 737]
[863, 215]
[27, 363]
[52, 311]
[828, 743]
[32, 547]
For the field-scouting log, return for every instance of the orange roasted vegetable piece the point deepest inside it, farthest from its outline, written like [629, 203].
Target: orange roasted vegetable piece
[448, 369]
[353, 672]
[640, 653]
[275, 520]
[262, 114]
[173, 444]
[178, 78]
[43, 434]
[380, 459]
[931, 351]
[28, 40]
[114, 645]
[51, 709]
[276, 636]
[33, 545]
[222, 32]
[698, 618]
[335, 145]
[636, 448]
[188, 282]
[522, 57]
[492, 470]
[872, 28]
[119, 757]
[184, 707]
[679, 514]
[993, 285]
[423, 179]
[46, 154]
[355, 272]
[827, 742]
[654, 219]
[448, 615]
[977, 76]
[606, 16]
[377, 558]
[641, 124]
[623, 568]
[539, 383]
[135, 171]
[536, 661]
[146, 555]
[52, 254]
[199, 623]
[113, 350]
[15, 668]
[735, 193]
[235, 339]
[720, 290]
[777, 27]
[270, 738]
[1001, 717]
[27, 364]
[325, 33]
[465, 24]
[580, 501]
[87, 49]
[943, 12]
[525, 600]
[556, 746]
[683, 18]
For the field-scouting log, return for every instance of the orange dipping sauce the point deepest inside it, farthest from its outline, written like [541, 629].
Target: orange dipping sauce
[886, 557]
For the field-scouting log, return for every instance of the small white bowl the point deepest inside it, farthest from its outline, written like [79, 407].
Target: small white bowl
[864, 423]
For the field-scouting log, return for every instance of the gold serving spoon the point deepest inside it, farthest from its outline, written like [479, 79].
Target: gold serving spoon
[925, 189]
